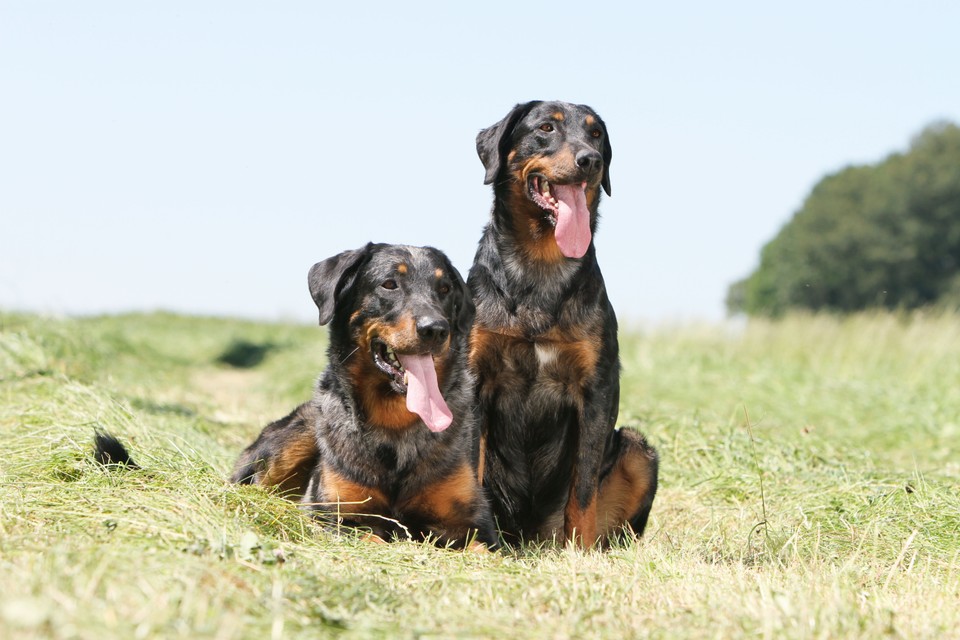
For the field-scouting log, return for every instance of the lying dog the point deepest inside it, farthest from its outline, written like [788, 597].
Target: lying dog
[389, 441]
[544, 345]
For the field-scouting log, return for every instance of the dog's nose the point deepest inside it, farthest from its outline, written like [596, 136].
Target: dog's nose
[433, 330]
[589, 161]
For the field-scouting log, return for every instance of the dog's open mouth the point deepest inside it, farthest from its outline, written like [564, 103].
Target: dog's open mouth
[387, 361]
[566, 207]
[539, 188]
[414, 376]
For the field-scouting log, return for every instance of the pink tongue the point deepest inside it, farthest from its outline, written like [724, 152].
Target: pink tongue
[573, 219]
[423, 394]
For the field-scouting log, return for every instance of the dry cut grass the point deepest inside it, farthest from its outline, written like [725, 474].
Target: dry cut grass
[809, 489]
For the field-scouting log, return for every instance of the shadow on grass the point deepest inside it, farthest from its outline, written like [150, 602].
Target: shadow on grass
[243, 354]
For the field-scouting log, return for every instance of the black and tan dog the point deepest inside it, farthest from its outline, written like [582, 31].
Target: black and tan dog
[388, 442]
[544, 344]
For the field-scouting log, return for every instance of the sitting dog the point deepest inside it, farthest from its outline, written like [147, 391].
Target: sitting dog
[544, 344]
[389, 442]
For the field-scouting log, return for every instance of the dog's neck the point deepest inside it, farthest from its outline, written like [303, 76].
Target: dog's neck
[524, 294]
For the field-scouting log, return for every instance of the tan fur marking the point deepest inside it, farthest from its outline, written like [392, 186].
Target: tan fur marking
[388, 412]
[590, 121]
[373, 538]
[401, 336]
[438, 273]
[289, 469]
[483, 458]
[578, 350]
[492, 354]
[623, 491]
[580, 525]
[558, 116]
[353, 498]
[593, 193]
[402, 269]
[444, 498]
[559, 167]
[545, 249]
[484, 344]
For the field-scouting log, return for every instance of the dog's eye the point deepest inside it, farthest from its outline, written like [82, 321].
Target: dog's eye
[595, 133]
[444, 289]
[389, 284]
[546, 126]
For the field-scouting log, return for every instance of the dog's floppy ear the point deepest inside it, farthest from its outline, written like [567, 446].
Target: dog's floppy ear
[607, 153]
[463, 307]
[331, 280]
[493, 143]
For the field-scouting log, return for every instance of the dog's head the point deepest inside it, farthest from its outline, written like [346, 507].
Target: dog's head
[399, 319]
[551, 159]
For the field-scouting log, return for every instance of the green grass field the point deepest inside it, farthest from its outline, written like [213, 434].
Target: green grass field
[809, 489]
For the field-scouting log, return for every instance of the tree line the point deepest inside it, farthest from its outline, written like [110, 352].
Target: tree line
[883, 235]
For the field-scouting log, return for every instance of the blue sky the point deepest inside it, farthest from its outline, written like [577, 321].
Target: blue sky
[200, 157]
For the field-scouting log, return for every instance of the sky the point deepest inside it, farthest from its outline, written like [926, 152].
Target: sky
[199, 157]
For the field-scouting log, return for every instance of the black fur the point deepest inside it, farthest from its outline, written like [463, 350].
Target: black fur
[109, 451]
[544, 345]
[353, 452]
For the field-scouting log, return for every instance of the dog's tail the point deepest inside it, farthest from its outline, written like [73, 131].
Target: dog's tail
[109, 451]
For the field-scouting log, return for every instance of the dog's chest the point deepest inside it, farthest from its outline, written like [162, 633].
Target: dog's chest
[559, 363]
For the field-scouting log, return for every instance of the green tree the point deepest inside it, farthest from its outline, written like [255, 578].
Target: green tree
[882, 235]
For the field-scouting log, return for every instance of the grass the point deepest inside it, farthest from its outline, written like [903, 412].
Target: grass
[852, 426]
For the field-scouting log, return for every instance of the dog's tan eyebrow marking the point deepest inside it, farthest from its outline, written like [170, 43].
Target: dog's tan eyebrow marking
[558, 116]
[590, 120]
[402, 268]
[438, 273]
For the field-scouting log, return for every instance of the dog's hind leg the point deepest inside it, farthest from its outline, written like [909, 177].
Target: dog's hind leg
[284, 455]
[628, 488]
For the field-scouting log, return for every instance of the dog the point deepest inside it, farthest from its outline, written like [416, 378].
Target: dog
[389, 441]
[544, 344]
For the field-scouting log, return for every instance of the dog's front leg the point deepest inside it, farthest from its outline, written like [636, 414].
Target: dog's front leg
[597, 400]
[597, 419]
[580, 514]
